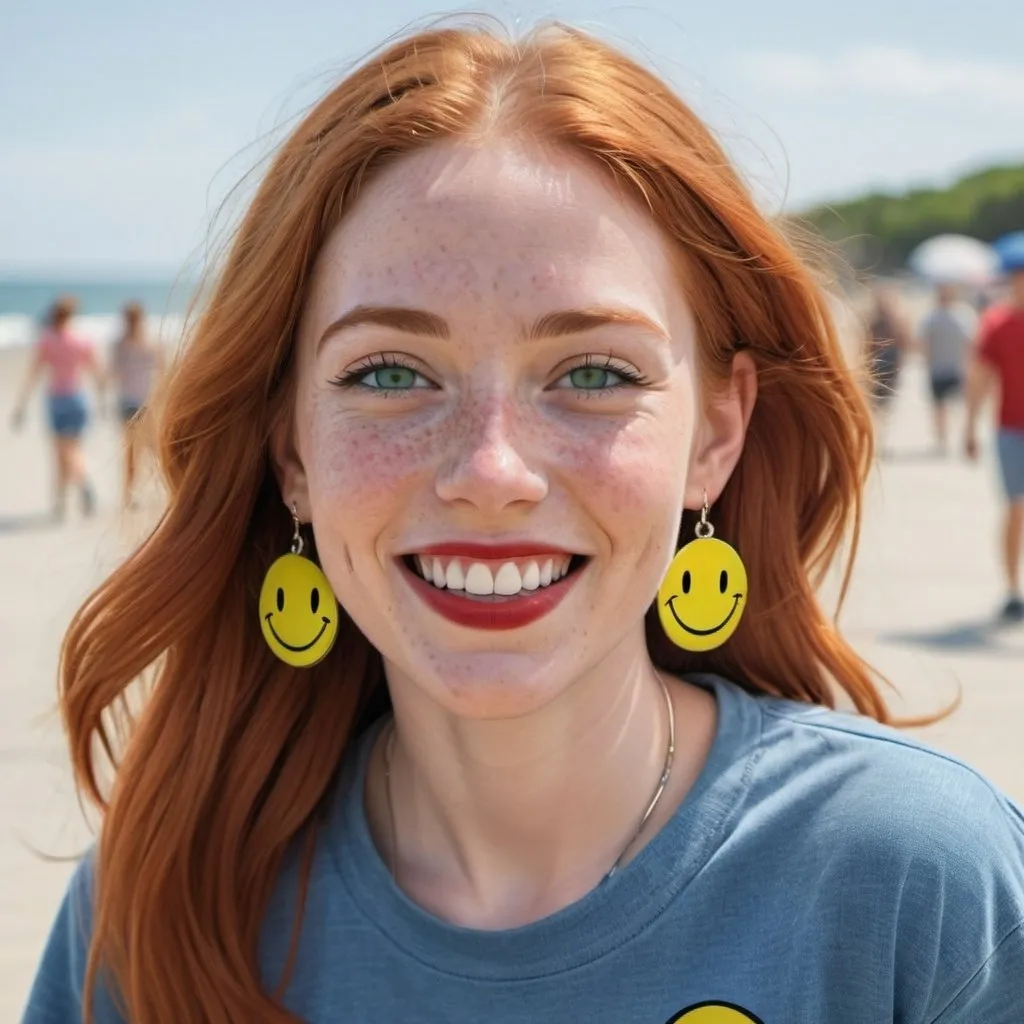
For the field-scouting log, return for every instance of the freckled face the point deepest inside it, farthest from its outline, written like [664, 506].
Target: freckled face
[500, 430]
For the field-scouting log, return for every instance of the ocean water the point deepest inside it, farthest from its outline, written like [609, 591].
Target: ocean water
[24, 302]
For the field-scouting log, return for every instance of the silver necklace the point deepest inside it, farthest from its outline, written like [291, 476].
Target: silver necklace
[659, 789]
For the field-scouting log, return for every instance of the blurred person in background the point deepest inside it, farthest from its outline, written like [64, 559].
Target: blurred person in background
[999, 365]
[945, 336]
[63, 357]
[887, 342]
[136, 361]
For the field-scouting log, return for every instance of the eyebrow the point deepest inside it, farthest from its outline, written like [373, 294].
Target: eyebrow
[550, 325]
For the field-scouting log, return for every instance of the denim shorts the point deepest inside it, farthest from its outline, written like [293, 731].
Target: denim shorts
[1010, 448]
[68, 414]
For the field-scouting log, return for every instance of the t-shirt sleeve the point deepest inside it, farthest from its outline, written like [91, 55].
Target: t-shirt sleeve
[995, 994]
[57, 991]
[964, 911]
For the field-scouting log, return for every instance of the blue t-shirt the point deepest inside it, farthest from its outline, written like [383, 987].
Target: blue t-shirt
[822, 870]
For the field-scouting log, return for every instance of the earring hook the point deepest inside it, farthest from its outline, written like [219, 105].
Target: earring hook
[297, 542]
[704, 529]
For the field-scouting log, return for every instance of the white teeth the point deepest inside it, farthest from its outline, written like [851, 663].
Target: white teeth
[479, 580]
[438, 573]
[454, 577]
[508, 581]
[531, 576]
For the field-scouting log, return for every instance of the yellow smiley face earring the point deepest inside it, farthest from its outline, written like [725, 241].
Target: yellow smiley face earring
[298, 611]
[704, 592]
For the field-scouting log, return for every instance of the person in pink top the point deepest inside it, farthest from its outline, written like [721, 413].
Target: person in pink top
[63, 357]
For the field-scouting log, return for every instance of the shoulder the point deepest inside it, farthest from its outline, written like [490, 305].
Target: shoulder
[924, 818]
[57, 991]
[59, 981]
[900, 833]
[917, 794]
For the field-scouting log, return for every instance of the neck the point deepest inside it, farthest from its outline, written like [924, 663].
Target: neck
[501, 822]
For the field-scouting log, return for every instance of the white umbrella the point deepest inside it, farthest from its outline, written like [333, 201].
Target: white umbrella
[955, 259]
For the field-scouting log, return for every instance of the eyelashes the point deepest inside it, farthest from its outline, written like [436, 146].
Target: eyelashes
[391, 374]
[388, 370]
[606, 365]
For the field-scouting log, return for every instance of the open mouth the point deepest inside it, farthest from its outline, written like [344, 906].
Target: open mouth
[494, 580]
[290, 647]
[704, 632]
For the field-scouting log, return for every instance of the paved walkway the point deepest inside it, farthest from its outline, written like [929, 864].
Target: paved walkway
[921, 609]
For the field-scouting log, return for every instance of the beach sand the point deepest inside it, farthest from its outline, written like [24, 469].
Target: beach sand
[920, 609]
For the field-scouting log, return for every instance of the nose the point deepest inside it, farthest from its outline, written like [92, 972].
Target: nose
[492, 462]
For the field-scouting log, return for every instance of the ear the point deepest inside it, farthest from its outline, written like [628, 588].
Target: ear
[288, 466]
[721, 432]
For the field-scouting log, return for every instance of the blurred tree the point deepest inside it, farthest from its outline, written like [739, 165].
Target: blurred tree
[877, 231]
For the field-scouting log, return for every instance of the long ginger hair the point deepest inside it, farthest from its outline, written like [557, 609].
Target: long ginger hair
[231, 760]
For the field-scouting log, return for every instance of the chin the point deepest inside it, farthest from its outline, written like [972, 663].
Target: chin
[493, 686]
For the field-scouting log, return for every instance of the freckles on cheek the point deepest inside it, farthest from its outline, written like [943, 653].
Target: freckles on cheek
[360, 462]
[628, 473]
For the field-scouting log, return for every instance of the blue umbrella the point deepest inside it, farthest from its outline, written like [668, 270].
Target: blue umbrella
[1010, 249]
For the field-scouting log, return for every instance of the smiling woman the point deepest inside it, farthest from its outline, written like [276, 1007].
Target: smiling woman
[500, 332]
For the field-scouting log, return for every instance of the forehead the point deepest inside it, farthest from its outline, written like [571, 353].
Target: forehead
[495, 223]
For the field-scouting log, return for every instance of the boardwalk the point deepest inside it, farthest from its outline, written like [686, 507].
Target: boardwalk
[920, 609]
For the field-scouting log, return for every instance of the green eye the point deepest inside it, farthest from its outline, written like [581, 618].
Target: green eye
[391, 378]
[593, 378]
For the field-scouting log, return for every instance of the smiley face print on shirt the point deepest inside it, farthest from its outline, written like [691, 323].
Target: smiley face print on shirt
[714, 1013]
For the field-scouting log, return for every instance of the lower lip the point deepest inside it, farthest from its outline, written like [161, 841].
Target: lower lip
[501, 613]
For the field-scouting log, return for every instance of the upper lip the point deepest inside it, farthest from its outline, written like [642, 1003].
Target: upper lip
[489, 552]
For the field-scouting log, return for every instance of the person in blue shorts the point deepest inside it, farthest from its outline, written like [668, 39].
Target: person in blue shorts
[64, 357]
[489, 677]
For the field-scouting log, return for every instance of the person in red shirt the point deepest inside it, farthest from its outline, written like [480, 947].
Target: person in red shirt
[999, 365]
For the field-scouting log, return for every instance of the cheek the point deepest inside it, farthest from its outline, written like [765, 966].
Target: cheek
[359, 469]
[633, 472]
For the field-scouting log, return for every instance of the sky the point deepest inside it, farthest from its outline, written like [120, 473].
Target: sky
[123, 125]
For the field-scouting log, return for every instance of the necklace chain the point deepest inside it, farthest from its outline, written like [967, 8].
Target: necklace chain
[659, 789]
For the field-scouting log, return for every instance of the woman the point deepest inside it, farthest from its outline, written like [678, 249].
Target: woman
[500, 331]
[136, 361]
[64, 356]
